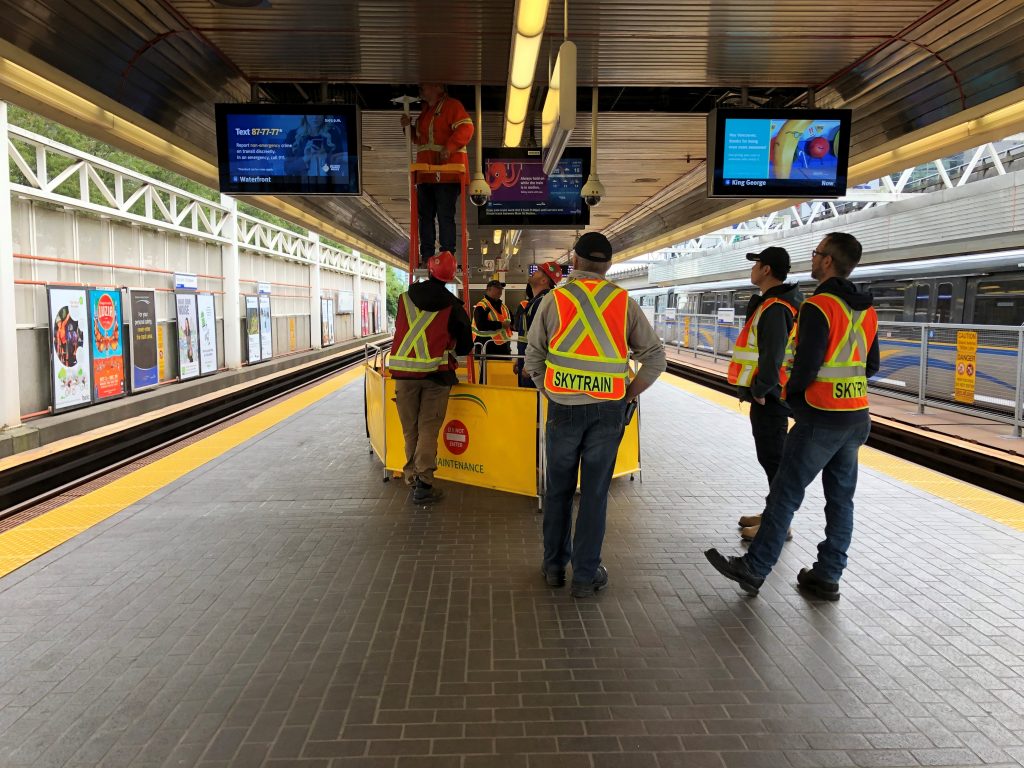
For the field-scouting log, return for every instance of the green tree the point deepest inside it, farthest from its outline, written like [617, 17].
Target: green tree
[398, 281]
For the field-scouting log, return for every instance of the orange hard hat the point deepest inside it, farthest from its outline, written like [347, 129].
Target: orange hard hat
[553, 270]
[442, 266]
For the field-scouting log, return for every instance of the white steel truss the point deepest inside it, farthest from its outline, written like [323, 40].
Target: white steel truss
[882, 191]
[55, 173]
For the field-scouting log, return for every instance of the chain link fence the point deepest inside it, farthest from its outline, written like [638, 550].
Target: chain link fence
[973, 369]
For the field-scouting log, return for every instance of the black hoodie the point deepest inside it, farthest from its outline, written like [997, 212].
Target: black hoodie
[432, 296]
[812, 344]
[772, 334]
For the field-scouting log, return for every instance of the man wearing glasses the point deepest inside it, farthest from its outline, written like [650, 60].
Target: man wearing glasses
[836, 352]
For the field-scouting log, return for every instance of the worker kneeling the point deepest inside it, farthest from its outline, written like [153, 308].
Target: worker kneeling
[578, 356]
[431, 329]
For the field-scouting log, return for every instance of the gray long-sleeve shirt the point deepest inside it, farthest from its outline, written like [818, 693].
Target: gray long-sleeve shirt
[641, 339]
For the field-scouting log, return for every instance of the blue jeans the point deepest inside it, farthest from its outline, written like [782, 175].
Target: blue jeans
[584, 439]
[809, 450]
[436, 201]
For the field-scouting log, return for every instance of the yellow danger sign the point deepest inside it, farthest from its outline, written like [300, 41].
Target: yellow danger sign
[966, 366]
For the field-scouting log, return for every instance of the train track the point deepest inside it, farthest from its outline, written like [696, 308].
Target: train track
[997, 474]
[33, 483]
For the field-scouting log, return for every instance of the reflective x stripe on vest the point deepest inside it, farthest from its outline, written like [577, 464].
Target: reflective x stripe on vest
[413, 354]
[745, 354]
[841, 383]
[587, 354]
[499, 336]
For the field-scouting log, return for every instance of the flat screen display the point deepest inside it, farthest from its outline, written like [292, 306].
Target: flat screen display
[522, 195]
[778, 152]
[288, 150]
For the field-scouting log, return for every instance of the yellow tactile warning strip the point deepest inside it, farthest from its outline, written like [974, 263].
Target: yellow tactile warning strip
[985, 503]
[41, 534]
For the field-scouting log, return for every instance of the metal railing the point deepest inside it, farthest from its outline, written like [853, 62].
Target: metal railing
[971, 369]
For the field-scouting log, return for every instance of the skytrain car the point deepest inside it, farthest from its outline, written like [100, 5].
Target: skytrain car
[974, 290]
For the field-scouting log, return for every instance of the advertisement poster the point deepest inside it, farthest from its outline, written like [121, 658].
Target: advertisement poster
[107, 346]
[188, 339]
[142, 315]
[966, 366]
[161, 357]
[330, 321]
[252, 329]
[207, 334]
[266, 334]
[324, 335]
[69, 341]
[292, 345]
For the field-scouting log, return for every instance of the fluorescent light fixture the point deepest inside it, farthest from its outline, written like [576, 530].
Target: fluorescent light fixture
[559, 116]
[531, 16]
[513, 134]
[497, 236]
[518, 102]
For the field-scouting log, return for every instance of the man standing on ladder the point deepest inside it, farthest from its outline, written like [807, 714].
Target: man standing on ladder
[431, 329]
[578, 356]
[443, 129]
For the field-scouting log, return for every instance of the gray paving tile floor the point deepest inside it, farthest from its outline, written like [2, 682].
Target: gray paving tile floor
[282, 606]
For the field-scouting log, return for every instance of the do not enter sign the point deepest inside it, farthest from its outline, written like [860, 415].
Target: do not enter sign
[456, 437]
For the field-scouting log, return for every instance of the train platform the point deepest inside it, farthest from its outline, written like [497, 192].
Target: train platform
[260, 598]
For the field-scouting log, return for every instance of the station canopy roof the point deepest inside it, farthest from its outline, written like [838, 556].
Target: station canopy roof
[660, 67]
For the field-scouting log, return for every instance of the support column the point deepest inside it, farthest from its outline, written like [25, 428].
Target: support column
[357, 295]
[10, 391]
[315, 336]
[382, 288]
[232, 289]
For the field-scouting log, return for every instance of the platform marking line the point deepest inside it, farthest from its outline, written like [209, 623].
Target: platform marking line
[978, 500]
[35, 537]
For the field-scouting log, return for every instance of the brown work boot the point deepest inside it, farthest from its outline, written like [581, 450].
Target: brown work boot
[748, 533]
[748, 521]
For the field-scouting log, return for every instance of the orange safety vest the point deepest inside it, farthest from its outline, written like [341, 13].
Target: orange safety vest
[500, 336]
[446, 126]
[587, 353]
[745, 355]
[841, 383]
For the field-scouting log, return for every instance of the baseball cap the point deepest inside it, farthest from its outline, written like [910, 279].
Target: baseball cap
[552, 269]
[775, 257]
[494, 284]
[593, 246]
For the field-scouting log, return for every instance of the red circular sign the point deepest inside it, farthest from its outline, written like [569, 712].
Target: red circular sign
[105, 311]
[960, 368]
[456, 437]
[970, 369]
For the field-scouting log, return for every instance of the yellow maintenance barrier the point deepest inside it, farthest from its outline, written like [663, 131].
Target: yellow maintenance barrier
[492, 435]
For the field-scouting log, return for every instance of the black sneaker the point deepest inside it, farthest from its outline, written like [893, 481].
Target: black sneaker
[735, 568]
[553, 578]
[810, 581]
[426, 494]
[579, 589]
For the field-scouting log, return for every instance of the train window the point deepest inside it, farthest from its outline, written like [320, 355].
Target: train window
[1000, 302]
[889, 300]
[708, 305]
[944, 303]
[741, 301]
[921, 303]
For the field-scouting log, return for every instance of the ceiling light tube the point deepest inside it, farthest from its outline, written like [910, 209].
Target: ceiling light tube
[530, 19]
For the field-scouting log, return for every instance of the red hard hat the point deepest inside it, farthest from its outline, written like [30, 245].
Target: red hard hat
[552, 270]
[442, 266]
